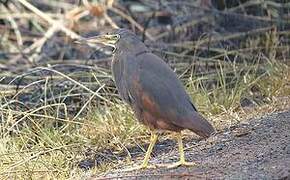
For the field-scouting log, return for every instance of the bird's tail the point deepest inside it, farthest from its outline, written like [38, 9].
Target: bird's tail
[200, 125]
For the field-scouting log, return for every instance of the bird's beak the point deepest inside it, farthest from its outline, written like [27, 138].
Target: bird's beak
[107, 40]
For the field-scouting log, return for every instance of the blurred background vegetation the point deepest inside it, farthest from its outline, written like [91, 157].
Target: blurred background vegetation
[60, 113]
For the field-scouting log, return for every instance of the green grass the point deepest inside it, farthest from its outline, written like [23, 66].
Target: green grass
[41, 145]
[60, 116]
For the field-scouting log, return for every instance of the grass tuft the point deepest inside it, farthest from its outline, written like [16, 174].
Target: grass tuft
[60, 114]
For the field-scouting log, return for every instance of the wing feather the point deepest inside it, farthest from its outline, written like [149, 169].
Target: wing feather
[148, 84]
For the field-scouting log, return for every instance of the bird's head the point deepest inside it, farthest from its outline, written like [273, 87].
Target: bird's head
[118, 39]
[106, 39]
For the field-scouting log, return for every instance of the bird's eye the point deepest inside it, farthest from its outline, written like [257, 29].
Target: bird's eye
[116, 36]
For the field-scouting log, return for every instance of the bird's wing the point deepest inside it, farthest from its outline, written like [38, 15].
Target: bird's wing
[159, 85]
[156, 90]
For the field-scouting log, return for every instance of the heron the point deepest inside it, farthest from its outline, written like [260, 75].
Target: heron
[153, 91]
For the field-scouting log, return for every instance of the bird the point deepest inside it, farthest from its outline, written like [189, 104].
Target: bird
[153, 91]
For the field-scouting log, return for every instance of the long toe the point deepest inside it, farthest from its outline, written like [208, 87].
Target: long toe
[177, 164]
[140, 167]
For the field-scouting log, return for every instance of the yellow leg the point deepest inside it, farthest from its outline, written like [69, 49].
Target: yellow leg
[153, 140]
[180, 148]
[144, 165]
[181, 161]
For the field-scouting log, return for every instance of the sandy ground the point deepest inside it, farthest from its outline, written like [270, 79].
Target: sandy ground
[258, 149]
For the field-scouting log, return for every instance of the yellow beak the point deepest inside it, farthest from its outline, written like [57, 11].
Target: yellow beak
[107, 40]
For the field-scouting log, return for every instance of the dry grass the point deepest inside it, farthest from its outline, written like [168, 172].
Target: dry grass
[57, 111]
[40, 144]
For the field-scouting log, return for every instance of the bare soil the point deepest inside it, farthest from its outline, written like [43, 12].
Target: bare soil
[256, 149]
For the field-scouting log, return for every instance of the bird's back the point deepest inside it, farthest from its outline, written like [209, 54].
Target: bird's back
[155, 93]
[167, 91]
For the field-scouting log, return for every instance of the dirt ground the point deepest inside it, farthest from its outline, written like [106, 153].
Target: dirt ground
[257, 149]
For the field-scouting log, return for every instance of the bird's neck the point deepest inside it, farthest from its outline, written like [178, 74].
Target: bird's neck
[133, 49]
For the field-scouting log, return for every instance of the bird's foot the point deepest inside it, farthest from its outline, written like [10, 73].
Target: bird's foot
[142, 166]
[177, 164]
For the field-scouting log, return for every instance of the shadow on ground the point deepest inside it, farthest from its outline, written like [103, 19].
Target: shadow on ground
[258, 149]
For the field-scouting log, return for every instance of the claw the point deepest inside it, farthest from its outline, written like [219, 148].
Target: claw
[139, 168]
[145, 165]
[177, 164]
